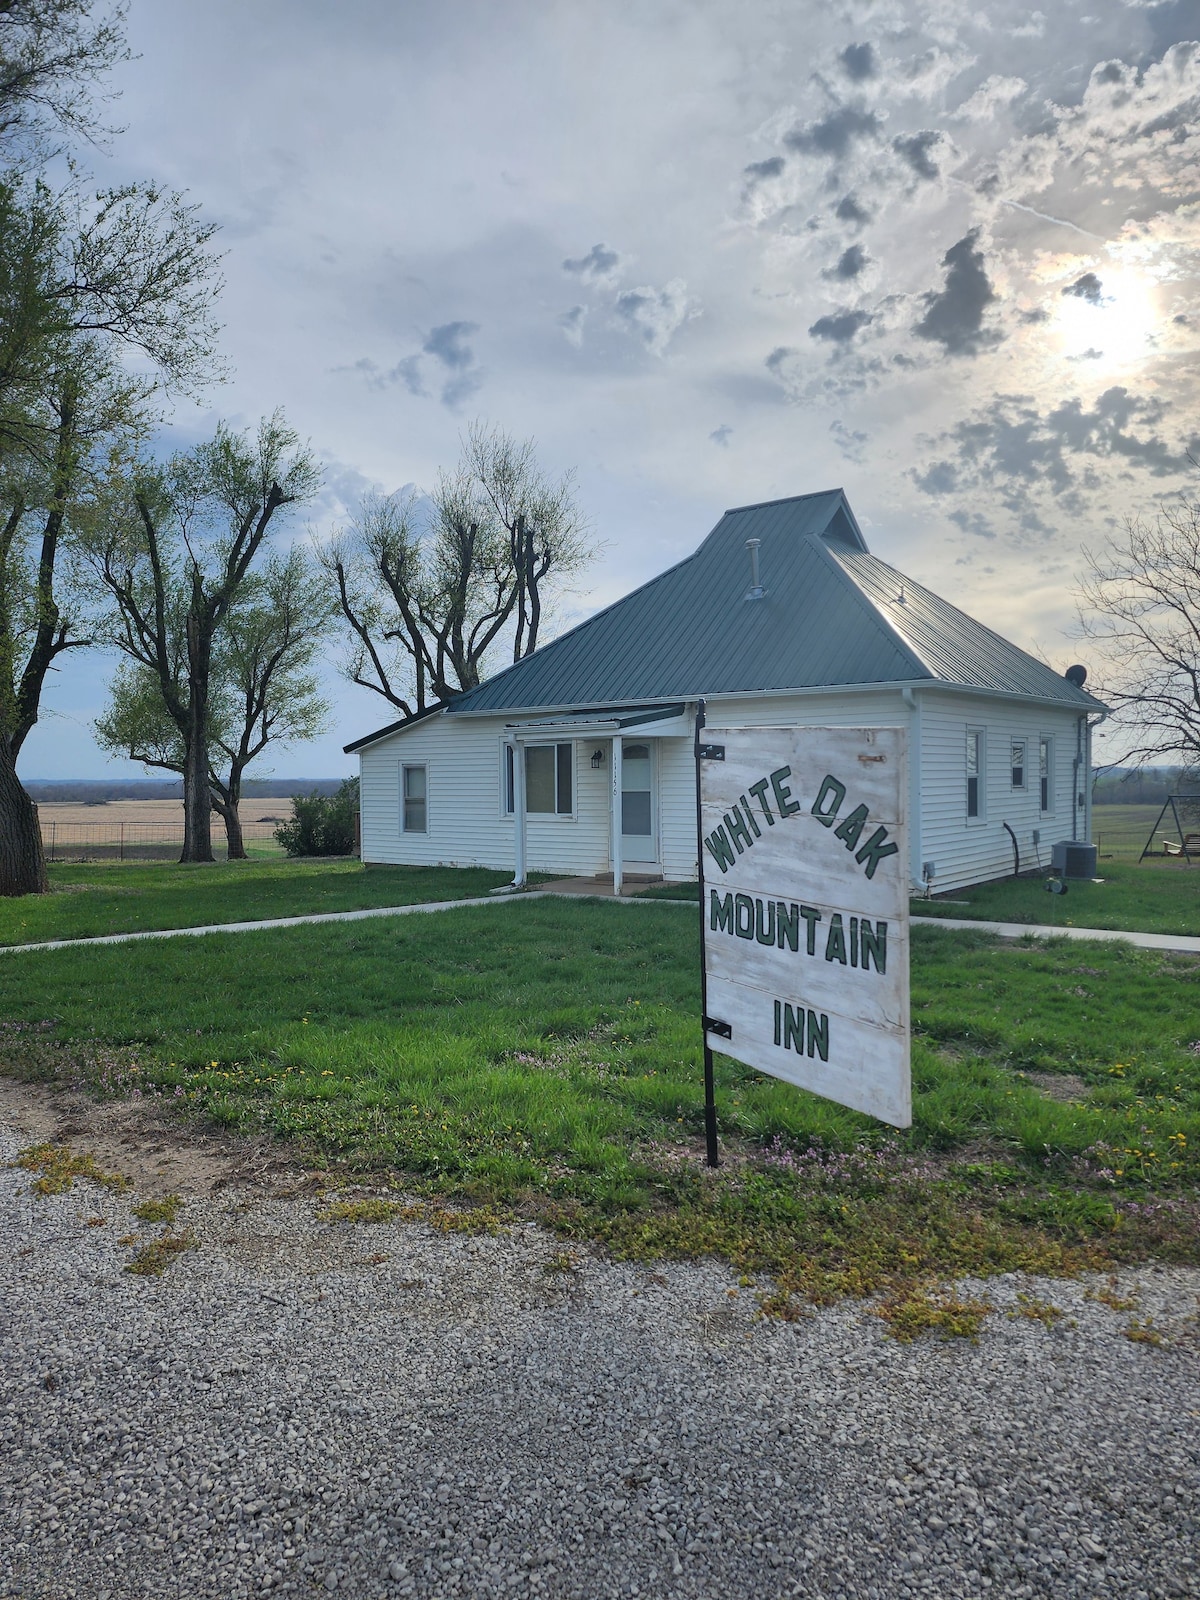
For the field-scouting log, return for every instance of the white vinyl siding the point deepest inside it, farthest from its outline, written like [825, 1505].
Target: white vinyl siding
[974, 852]
[467, 825]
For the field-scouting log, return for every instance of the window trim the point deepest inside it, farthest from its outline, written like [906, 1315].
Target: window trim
[1047, 809]
[507, 808]
[980, 775]
[405, 768]
[1022, 766]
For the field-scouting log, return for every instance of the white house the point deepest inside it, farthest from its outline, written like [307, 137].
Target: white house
[579, 759]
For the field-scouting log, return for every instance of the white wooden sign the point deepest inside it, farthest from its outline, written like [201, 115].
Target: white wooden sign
[805, 912]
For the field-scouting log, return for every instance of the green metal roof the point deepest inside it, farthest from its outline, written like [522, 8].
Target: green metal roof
[828, 618]
[831, 616]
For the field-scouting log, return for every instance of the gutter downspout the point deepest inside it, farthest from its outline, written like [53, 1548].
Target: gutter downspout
[915, 863]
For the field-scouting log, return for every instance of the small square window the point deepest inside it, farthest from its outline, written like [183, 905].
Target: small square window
[414, 784]
[1018, 763]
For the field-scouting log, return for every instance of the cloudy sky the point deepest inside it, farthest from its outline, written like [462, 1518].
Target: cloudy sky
[944, 254]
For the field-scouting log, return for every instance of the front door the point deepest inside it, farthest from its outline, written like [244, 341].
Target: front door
[639, 833]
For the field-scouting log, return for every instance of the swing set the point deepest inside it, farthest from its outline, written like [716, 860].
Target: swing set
[1188, 843]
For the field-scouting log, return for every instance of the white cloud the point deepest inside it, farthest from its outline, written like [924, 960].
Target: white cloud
[656, 315]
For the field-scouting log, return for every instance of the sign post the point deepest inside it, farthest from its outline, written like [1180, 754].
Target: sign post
[804, 911]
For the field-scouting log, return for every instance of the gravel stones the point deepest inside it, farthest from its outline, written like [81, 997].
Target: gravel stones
[284, 1413]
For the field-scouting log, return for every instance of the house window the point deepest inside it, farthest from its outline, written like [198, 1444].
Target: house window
[1018, 763]
[976, 757]
[1046, 773]
[413, 788]
[549, 780]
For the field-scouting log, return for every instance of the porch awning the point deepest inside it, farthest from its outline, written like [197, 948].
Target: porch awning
[659, 722]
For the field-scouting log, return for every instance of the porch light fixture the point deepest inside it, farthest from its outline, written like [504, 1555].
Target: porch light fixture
[597, 759]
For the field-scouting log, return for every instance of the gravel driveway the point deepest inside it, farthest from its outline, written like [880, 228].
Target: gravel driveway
[379, 1410]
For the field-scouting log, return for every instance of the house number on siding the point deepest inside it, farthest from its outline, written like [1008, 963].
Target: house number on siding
[806, 909]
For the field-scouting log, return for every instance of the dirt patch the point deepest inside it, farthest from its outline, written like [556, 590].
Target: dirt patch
[1065, 1086]
[160, 1153]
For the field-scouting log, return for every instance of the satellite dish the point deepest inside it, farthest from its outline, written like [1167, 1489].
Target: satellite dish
[1076, 675]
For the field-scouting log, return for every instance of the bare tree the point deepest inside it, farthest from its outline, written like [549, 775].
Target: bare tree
[1140, 602]
[428, 587]
[173, 548]
[262, 690]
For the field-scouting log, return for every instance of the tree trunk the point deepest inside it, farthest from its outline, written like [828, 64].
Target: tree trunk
[22, 862]
[197, 788]
[228, 814]
[197, 802]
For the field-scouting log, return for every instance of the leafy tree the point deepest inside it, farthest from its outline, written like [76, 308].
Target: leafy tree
[1141, 604]
[83, 279]
[53, 55]
[322, 824]
[426, 600]
[174, 548]
[262, 690]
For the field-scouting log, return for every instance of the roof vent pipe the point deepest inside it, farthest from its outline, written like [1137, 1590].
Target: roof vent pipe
[756, 590]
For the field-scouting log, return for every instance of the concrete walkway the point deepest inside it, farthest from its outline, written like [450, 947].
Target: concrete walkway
[270, 922]
[573, 888]
[1022, 930]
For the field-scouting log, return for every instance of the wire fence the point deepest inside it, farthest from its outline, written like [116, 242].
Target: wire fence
[140, 841]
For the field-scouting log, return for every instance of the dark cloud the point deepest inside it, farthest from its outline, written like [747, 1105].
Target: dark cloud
[1087, 288]
[408, 372]
[973, 522]
[1014, 449]
[848, 265]
[600, 262]
[954, 316]
[448, 344]
[1036, 315]
[757, 171]
[722, 435]
[841, 326]
[859, 61]
[915, 148]
[779, 358]
[835, 132]
[939, 478]
[848, 209]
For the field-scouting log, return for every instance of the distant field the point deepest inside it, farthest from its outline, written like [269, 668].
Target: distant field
[141, 830]
[1120, 832]
[111, 813]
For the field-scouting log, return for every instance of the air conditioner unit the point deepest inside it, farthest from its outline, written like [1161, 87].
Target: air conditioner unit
[1073, 858]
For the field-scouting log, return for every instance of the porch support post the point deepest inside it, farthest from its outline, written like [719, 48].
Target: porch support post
[616, 813]
[519, 815]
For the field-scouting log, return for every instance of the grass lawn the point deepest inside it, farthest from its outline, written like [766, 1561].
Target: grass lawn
[1145, 897]
[123, 898]
[544, 1057]
[1150, 897]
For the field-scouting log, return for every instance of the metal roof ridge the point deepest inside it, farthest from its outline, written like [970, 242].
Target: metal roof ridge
[868, 605]
[998, 638]
[784, 500]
